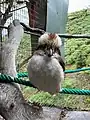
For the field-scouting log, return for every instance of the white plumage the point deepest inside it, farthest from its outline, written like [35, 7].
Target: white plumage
[45, 72]
[44, 39]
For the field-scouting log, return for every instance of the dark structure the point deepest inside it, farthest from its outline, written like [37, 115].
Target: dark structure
[37, 10]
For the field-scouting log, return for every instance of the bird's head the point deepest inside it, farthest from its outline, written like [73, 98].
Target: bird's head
[50, 39]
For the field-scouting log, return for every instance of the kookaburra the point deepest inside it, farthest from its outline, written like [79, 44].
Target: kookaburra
[46, 66]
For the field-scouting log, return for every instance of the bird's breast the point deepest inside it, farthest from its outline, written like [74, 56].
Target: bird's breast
[45, 72]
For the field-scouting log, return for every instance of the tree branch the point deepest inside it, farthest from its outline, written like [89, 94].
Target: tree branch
[35, 30]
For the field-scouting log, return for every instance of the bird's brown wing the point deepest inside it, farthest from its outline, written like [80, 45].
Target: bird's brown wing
[62, 63]
[60, 60]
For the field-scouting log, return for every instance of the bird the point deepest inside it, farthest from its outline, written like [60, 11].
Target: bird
[46, 66]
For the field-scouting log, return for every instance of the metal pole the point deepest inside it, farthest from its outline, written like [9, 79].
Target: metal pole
[36, 31]
[74, 36]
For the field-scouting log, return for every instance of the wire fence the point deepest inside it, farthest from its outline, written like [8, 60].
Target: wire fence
[25, 14]
[18, 12]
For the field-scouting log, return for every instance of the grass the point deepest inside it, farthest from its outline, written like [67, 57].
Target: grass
[24, 51]
[61, 100]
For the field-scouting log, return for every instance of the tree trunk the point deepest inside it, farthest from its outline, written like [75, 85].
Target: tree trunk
[0, 40]
[12, 103]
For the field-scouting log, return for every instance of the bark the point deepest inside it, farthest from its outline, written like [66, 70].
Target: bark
[3, 19]
[12, 103]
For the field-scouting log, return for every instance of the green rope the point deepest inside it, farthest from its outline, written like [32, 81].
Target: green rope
[9, 79]
[76, 70]
[22, 74]
[75, 91]
[25, 74]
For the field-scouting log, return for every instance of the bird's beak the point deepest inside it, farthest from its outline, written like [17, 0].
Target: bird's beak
[49, 52]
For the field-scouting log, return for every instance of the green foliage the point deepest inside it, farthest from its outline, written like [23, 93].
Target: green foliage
[88, 60]
[24, 50]
[78, 23]
[80, 60]
[68, 83]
